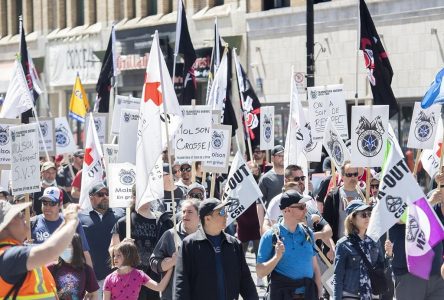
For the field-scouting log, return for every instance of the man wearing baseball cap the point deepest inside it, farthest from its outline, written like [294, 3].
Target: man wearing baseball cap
[46, 223]
[288, 244]
[23, 274]
[185, 175]
[66, 174]
[211, 263]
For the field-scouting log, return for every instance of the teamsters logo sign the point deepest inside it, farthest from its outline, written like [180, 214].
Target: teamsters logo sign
[335, 148]
[217, 140]
[424, 126]
[369, 136]
[62, 136]
[4, 135]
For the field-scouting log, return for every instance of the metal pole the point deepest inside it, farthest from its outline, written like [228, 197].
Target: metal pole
[310, 44]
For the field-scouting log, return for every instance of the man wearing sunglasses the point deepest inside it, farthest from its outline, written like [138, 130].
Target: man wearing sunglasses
[211, 263]
[185, 175]
[196, 191]
[286, 245]
[338, 199]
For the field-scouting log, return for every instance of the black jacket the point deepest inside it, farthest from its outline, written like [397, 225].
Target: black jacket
[331, 211]
[195, 275]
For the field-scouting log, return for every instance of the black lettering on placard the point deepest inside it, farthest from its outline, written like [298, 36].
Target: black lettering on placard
[401, 210]
[396, 173]
[389, 180]
[421, 240]
[237, 212]
[237, 177]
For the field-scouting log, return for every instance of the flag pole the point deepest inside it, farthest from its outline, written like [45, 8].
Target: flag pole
[358, 35]
[162, 86]
[442, 147]
[417, 160]
[178, 32]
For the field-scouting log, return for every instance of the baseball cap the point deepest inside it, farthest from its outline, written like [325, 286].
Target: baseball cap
[209, 205]
[79, 153]
[96, 188]
[4, 191]
[9, 211]
[166, 168]
[196, 185]
[277, 149]
[291, 197]
[53, 194]
[186, 163]
[47, 165]
[356, 205]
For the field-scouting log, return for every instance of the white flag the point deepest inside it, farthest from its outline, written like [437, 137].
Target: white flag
[18, 97]
[154, 190]
[92, 171]
[151, 133]
[241, 189]
[218, 91]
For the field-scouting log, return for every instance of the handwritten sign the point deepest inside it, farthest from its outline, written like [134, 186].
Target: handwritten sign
[110, 154]
[64, 139]
[129, 121]
[101, 122]
[25, 173]
[121, 178]
[327, 102]
[220, 149]
[121, 102]
[192, 140]
[47, 129]
[5, 141]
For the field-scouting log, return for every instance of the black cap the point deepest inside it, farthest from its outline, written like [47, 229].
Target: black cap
[79, 153]
[96, 188]
[207, 206]
[277, 149]
[166, 168]
[356, 205]
[291, 197]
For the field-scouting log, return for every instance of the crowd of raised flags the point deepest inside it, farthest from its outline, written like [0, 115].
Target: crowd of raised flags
[400, 196]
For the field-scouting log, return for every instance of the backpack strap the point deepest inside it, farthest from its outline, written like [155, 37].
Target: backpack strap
[360, 252]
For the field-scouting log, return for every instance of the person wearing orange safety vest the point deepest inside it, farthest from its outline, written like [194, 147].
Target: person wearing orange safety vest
[23, 274]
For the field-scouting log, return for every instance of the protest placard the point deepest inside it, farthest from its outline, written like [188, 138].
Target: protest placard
[101, 122]
[5, 141]
[47, 129]
[110, 154]
[220, 149]
[121, 178]
[192, 140]
[64, 139]
[335, 146]
[327, 102]
[129, 121]
[423, 126]
[267, 128]
[215, 116]
[5, 178]
[25, 162]
[121, 102]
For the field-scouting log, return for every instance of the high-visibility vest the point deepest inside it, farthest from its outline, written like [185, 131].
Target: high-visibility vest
[38, 285]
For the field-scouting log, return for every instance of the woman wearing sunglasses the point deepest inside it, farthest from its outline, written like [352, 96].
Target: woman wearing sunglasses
[351, 276]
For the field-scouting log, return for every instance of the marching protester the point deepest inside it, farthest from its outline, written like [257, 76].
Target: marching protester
[74, 278]
[147, 226]
[164, 256]
[185, 175]
[374, 188]
[97, 225]
[211, 263]
[196, 191]
[127, 280]
[288, 244]
[23, 271]
[4, 194]
[171, 191]
[259, 157]
[45, 224]
[67, 173]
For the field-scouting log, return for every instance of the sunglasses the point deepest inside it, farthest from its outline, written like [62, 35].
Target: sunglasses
[50, 203]
[299, 178]
[101, 194]
[365, 214]
[300, 206]
[374, 186]
[188, 169]
[196, 195]
[351, 174]
[222, 212]
[176, 171]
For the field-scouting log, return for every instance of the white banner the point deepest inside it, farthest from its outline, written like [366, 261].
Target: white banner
[120, 102]
[64, 139]
[192, 140]
[220, 149]
[215, 116]
[327, 102]
[25, 162]
[5, 141]
[110, 154]
[241, 189]
[121, 178]
[335, 146]
[47, 128]
[5, 178]
[101, 122]
[368, 135]
[129, 121]
[423, 126]
[267, 127]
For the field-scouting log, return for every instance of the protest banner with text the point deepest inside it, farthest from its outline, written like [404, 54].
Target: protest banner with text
[5, 141]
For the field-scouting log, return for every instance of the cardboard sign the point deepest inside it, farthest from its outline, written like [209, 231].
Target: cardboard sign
[110, 154]
[5, 141]
[327, 102]
[64, 139]
[25, 162]
[220, 149]
[424, 126]
[129, 121]
[121, 178]
[101, 122]
[267, 127]
[121, 102]
[192, 140]
[328, 280]
[47, 129]
[369, 135]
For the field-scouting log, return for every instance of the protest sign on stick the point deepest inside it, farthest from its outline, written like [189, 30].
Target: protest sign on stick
[129, 120]
[64, 139]
[423, 127]
[101, 122]
[267, 128]
[110, 154]
[122, 102]
[5, 141]
[220, 149]
[47, 139]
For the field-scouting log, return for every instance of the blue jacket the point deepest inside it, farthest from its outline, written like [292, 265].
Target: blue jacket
[347, 262]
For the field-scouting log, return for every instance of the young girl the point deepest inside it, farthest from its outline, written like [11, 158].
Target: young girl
[126, 281]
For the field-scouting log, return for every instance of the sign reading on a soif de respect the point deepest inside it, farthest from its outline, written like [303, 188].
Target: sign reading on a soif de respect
[192, 141]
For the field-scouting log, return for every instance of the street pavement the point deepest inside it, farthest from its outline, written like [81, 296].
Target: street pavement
[251, 261]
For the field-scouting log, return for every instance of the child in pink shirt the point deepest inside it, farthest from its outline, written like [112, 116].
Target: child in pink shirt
[126, 281]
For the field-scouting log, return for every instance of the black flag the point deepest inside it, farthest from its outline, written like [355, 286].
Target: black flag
[377, 62]
[107, 71]
[185, 47]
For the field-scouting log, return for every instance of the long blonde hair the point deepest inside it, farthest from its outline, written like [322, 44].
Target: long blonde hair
[349, 226]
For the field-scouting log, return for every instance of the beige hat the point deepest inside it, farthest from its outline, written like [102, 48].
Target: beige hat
[9, 211]
[47, 165]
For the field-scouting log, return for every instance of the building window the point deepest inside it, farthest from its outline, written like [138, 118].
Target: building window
[272, 4]
[218, 2]
[80, 9]
[152, 7]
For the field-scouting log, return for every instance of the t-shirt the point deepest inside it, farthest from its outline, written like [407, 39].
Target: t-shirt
[77, 181]
[216, 242]
[13, 263]
[73, 283]
[270, 185]
[41, 230]
[179, 196]
[125, 286]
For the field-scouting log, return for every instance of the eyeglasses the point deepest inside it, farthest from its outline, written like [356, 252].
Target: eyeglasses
[299, 178]
[81, 157]
[374, 186]
[176, 171]
[365, 214]
[222, 212]
[196, 195]
[300, 206]
[101, 194]
[50, 203]
[351, 174]
[188, 169]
